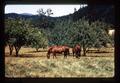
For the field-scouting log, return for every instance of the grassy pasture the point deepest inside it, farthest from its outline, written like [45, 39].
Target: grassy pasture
[35, 64]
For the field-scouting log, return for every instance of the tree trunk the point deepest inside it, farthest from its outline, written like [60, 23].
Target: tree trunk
[84, 50]
[37, 49]
[98, 50]
[11, 49]
[17, 49]
[88, 50]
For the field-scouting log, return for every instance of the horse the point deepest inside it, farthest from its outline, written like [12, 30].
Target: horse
[58, 49]
[77, 51]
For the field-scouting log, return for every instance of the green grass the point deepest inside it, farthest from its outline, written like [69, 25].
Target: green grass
[83, 67]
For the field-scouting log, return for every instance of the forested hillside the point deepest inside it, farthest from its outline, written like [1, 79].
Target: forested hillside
[92, 13]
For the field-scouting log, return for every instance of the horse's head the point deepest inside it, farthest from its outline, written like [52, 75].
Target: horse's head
[48, 55]
[49, 51]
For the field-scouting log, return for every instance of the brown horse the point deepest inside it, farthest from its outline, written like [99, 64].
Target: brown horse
[58, 49]
[77, 51]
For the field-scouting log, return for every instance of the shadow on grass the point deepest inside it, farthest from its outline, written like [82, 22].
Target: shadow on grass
[37, 51]
[94, 51]
[103, 52]
[24, 55]
[97, 56]
[33, 55]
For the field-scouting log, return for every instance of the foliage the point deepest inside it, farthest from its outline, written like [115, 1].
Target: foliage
[60, 35]
[16, 31]
[43, 20]
[89, 35]
[20, 32]
[80, 32]
[49, 12]
[102, 36]
[42, 12]
[37, 38]
[63, 32]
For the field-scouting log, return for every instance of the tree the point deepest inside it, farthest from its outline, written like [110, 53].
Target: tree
[20, 32]
[49, 12]
[67, 32]
[82, 34]
[102, 36]
[16, 31]
[44, 20]
[37, 38]
[41, 12]
[8, 32]
[10, 43]
[59, 35]
[89, 35]
[75, 9]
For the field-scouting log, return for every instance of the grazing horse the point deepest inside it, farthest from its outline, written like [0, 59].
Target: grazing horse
[77, 51]
[58, 49]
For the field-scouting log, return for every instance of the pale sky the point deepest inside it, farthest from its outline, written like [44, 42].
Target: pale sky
[58, 10]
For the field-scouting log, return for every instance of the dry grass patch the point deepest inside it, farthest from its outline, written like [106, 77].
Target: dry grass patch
[40, 66]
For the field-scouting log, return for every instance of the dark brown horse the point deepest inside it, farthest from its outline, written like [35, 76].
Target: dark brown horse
[77, 51]
[58, 49]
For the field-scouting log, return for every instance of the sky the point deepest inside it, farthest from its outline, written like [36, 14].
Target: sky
[58, 10]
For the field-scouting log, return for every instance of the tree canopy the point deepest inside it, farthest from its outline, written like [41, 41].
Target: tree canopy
[20, 32]
[67, 32]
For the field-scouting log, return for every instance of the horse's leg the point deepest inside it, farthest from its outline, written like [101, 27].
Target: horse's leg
[65, 55]
[73, 54]
[68, 53]
[53, 55]
[48, 55]
[80, 53]
[76, 54]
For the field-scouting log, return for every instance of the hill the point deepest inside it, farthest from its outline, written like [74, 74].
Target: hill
[103, 13]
